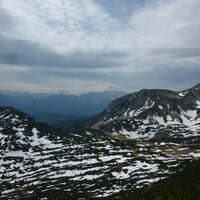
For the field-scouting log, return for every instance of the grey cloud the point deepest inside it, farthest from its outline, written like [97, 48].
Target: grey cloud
[178, 77]
[154, 47]
[6, 22]
[20, 52]
[177, 52]
[171, 78]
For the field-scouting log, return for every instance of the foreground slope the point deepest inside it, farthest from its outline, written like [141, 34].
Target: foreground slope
[184, 185]
[152, 113]
[39, 162]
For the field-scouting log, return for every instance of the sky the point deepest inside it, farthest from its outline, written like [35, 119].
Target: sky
[97, 45]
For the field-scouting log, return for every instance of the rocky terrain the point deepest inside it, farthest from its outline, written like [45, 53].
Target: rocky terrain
[152, 114]
[139, 140]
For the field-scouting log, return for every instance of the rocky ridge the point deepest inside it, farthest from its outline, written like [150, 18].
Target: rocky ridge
[152, 113]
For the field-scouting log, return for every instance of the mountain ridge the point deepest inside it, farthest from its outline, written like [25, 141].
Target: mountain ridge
[149, 108]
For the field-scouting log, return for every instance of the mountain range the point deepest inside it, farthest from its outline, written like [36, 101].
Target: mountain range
[145, 145]
[57, 109]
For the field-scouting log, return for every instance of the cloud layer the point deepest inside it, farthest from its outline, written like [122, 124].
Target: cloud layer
[78, 45]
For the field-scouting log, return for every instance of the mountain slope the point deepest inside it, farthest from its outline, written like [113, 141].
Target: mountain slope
[150, 113]
[184, 185]
[40, 162]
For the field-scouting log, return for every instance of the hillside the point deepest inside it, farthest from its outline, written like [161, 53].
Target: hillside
[142, 146]
[40, 162]
[184, 185]
[152, 113]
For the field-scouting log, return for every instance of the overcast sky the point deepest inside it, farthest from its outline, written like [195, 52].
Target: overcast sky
[96, 45]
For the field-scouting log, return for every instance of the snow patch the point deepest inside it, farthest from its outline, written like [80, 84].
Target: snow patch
[198, 104]
[182, 94]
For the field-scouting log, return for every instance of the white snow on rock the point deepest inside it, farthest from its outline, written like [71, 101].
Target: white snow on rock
[182, 94]
[198, 104]
[196, 155]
